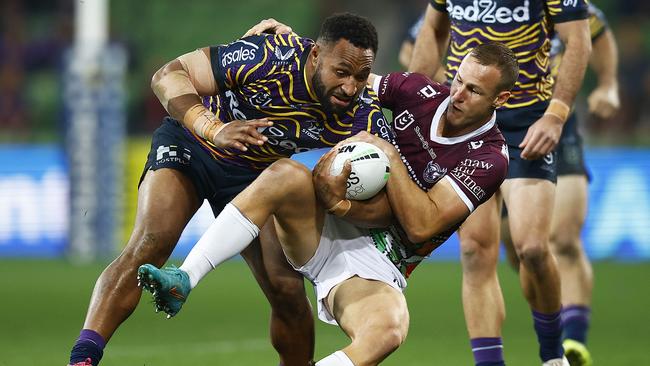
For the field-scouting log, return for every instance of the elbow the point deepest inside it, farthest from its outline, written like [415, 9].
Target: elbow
[155, 79]
[418, 234]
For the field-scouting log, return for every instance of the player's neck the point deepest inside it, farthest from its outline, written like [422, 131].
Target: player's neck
[448, 129]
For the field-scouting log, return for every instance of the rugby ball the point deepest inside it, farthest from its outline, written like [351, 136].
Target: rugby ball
[370, 169]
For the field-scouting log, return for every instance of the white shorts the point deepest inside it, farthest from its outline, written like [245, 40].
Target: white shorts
[346, 251]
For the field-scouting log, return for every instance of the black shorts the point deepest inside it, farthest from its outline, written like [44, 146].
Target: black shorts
[514, 124]
[218, 182]
[570, 154]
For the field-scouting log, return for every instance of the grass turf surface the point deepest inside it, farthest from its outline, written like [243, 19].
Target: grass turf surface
[226, 319]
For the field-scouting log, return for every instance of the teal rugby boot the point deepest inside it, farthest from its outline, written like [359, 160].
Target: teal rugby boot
[169, 286]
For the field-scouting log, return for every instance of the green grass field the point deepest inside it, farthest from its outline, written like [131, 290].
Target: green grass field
[226, 320]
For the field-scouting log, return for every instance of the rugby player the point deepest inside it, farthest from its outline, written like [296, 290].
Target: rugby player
[234, 110]
[570, 207]
[447, 158]
[531, 122]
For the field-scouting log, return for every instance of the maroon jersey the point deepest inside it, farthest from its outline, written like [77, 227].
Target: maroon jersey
[474, 164]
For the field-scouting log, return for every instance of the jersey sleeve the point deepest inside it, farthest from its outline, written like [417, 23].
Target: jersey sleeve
[597, 22]
[479, 175]
[440, 5]
[561, 11]
[369, 117]
[400, 89]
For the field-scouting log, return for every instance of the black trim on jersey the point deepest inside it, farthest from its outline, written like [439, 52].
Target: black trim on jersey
[216, 70]
[438, 7]
[569, 17]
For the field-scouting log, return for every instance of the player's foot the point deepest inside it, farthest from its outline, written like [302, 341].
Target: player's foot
[577, 353]
[87, 362]
[170, 287]
[557, 362]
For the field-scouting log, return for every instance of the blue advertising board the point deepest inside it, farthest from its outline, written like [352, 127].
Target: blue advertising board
[34, 205]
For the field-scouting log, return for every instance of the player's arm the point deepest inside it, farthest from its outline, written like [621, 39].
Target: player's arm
[544, 134]
[430, 43]
[330, 190]
[179, 85]
[422, 214]
[604, 100]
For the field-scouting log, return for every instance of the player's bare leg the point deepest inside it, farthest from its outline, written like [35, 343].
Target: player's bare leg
[575, 269]
[530, 209]
[166, 202]
[482, 297]
[373, 314]
[292, 323]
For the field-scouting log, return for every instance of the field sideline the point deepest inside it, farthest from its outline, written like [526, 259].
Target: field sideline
[225, 321]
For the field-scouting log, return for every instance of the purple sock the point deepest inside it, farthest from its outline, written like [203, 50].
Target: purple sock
[89, 345]
[575, 321]
[487, 351]
[549, 335]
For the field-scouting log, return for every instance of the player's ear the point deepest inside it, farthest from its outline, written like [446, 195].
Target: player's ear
[315, 53]
[501, 98]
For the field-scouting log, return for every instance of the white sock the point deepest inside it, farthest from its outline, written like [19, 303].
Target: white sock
[338, 358]
[230, 233]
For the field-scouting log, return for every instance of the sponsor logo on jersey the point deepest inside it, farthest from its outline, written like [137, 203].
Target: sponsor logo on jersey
[239, 52]
[403, 120]
[283, 55]
[172, 154]
[428, 92]
[486, 11]
[433, 172]
[260, 99]
[233, 105]
[504, 152]
[467, 181]
[474, 145]
[312, 129]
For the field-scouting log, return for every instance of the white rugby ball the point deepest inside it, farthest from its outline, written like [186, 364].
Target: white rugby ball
[370, 169]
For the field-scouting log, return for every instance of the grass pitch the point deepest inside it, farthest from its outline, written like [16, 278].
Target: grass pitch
[225, 322]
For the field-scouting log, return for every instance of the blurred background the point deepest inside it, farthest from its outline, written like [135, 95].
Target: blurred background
[76, 128]
[76, 118]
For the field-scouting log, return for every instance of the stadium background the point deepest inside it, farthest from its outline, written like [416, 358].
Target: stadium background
[46, 277]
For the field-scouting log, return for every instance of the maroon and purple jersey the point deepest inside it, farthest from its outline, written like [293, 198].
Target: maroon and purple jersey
[526, 26]
[474, 164]
[264, 76]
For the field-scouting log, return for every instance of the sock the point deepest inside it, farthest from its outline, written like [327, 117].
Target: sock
[549, 335]
[487, 351]
[229, 234]
[338, 358]
[575, 321]
[89, 345]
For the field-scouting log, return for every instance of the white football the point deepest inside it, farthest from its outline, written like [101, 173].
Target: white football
[370, 169]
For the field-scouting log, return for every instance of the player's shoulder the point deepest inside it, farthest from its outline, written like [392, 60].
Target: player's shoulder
[260, 49]
[412, 83]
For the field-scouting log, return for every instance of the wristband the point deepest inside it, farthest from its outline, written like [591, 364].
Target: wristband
[341, 208]
[558, 109]
[203, 122]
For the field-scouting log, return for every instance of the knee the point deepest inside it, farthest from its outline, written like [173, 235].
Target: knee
[146, 246]
[287, 296]
[292, 174]
[477, 254]
[566, 246]
[386, 338]
[534, 255]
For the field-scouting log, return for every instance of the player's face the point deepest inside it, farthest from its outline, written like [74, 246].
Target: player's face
[341, 74]
[473, 94]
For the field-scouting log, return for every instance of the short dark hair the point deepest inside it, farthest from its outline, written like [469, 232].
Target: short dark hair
[499, 55]
[354, 28]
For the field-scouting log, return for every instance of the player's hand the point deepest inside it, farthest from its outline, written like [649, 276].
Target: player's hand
[237, 134]
[542, 137]
[271, 26]
[364, 136]
[330, 189]
[604, 102]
